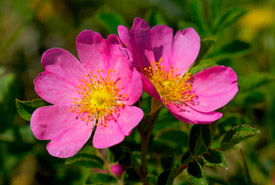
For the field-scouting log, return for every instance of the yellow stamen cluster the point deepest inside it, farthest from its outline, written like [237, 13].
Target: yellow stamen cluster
[100, 97]
[170, 86]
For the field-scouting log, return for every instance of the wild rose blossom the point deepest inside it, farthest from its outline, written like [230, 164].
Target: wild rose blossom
[100, 91]
[163, 62]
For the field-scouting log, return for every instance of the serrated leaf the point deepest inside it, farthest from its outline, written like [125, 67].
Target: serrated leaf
[87, 160]
[26, 108]
[167, 177]
[206, 44]
[196, 174]
[100, 178]
[228, 18]
[214, 158]
[237, 134]
[111, 21]
[204, 64]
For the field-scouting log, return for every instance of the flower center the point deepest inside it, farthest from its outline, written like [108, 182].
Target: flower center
[170, 86]
[100, 97]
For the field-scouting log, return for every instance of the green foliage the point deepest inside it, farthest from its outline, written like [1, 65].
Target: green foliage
[197, 13]
[123, 155]
[155, 18]
[206, 44]
[85, 159]
[228, 18]
[204, 64]
[111, 21]
[235, 48]
[196, 174]
[237, 134]
[255, 80]
[214, 158]
[26, 108]
[100, 179]
[167, 177]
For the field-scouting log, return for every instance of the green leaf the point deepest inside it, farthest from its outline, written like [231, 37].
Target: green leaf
[234, 49]
[214, 158]
[87, 160]
[186, 158]
[155, 18]
[167, 177]
[197, 13]
[206, 44]
[111, 21]
[254, 81]
[228, 18]
[123, 155]
[196, 174]
[26, 108]
[204, 64]
[100, 178]
[131, 176]
[215, 8]
[205, 134]
[196, 146]
[167, 161]
[237, 134]
[175, 138]
[6, 83]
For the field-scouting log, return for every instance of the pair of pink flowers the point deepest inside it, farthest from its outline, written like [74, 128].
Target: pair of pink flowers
[101, 90]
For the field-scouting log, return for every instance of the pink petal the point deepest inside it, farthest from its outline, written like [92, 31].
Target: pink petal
[54, 89]
[132, 88]
[64, 65]
[186, 48]
[162, 39]
[119, 127]
[138, 41]
[70, 141]
[58, 124]
[129, 118]
[149, 88]
[107, 136]
[189, 115]
[91, 50]
[214, 88]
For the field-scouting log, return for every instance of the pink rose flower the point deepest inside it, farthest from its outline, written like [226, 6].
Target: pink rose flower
[100, 91]
[163, 61]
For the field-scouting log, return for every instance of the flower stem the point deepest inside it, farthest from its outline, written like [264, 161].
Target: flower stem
[145, 136]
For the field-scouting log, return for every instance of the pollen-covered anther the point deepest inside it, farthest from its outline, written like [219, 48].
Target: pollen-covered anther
[170, 86]
[100, 97]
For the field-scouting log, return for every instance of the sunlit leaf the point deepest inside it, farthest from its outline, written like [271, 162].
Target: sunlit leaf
[87, 160]
[214, 158]
[206, 44]
[237, 134]
[26, 108]
[100, 178]
[204, 64]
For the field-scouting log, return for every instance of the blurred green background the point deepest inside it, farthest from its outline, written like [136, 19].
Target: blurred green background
[245, 40]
